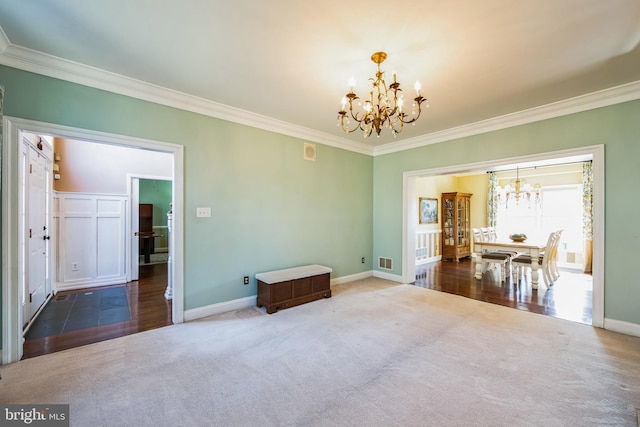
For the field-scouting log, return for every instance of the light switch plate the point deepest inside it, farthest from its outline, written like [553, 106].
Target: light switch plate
[203, 212]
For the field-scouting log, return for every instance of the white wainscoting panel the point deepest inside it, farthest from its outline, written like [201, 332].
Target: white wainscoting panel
[77, 247]
[91, 248]
[110, 256]
[428, 246]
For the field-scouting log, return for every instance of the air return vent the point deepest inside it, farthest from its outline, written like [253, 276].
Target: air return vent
[385, 263]
[310, 151]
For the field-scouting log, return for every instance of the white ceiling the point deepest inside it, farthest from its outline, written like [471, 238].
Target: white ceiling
[291, 60]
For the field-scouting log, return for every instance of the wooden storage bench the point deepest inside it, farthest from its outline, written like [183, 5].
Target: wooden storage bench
[292, 286]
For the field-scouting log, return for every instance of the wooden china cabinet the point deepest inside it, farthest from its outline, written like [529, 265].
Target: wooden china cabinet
[456, 231]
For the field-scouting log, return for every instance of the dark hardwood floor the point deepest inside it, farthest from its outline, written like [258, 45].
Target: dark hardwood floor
[148, 310]
[569, 298]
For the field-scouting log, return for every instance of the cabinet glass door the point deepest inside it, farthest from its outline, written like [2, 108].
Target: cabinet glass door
[448, 224]
[462, 218]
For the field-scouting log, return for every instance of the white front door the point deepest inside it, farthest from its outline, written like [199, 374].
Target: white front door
[37, 230]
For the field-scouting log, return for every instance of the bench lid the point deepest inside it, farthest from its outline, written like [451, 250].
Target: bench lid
[292, 273]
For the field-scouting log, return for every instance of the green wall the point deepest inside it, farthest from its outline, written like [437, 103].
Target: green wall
[158, 193]
[270, 208]
[617, 127]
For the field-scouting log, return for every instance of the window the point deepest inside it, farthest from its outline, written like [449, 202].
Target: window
[560, 208]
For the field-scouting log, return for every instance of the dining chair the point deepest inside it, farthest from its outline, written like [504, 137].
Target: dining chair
[553, 258]
[524, 261]
[493, 258]
[503, 259]
[477, 235]
[493, 235]
[551, 265]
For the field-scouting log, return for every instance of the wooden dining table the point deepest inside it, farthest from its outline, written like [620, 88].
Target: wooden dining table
[531, 248]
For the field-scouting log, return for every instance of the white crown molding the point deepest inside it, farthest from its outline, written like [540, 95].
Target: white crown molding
[48, 65]
[603, 98]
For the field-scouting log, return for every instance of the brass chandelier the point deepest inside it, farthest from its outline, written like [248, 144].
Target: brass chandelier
[519, 190]
[384, 108]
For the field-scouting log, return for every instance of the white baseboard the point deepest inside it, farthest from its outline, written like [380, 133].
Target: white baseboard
[622, 327]
[81, 284]
[221, 307]
[352, 277]
[366, 274]
[250, 301]
[35, 316]
[387, 276]
[429, 260]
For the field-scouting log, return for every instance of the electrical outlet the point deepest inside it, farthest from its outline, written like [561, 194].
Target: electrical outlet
[363, 260]
[246, 280]
[75, 266]
[203, 212]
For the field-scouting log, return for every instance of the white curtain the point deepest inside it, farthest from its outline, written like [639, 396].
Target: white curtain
[587, 216]
[492, 200]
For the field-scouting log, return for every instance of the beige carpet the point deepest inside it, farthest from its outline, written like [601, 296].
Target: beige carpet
[376, 354]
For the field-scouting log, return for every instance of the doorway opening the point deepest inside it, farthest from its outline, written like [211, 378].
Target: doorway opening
[151, 217]
[12, 316]
[593, 153]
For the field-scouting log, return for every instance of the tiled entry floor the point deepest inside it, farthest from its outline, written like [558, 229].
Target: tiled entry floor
[80, 310]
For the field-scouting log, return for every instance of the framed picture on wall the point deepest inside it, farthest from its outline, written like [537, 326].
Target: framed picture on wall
[427, 210]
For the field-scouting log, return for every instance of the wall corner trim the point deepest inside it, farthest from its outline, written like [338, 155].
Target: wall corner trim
[4, 41]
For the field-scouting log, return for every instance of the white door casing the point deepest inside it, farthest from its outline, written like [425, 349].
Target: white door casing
[134, 220]
[595, 153]
[134, 207]
[12, 296]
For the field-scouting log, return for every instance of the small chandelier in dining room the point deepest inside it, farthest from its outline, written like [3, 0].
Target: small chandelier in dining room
[519, 190]
[384, 108]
